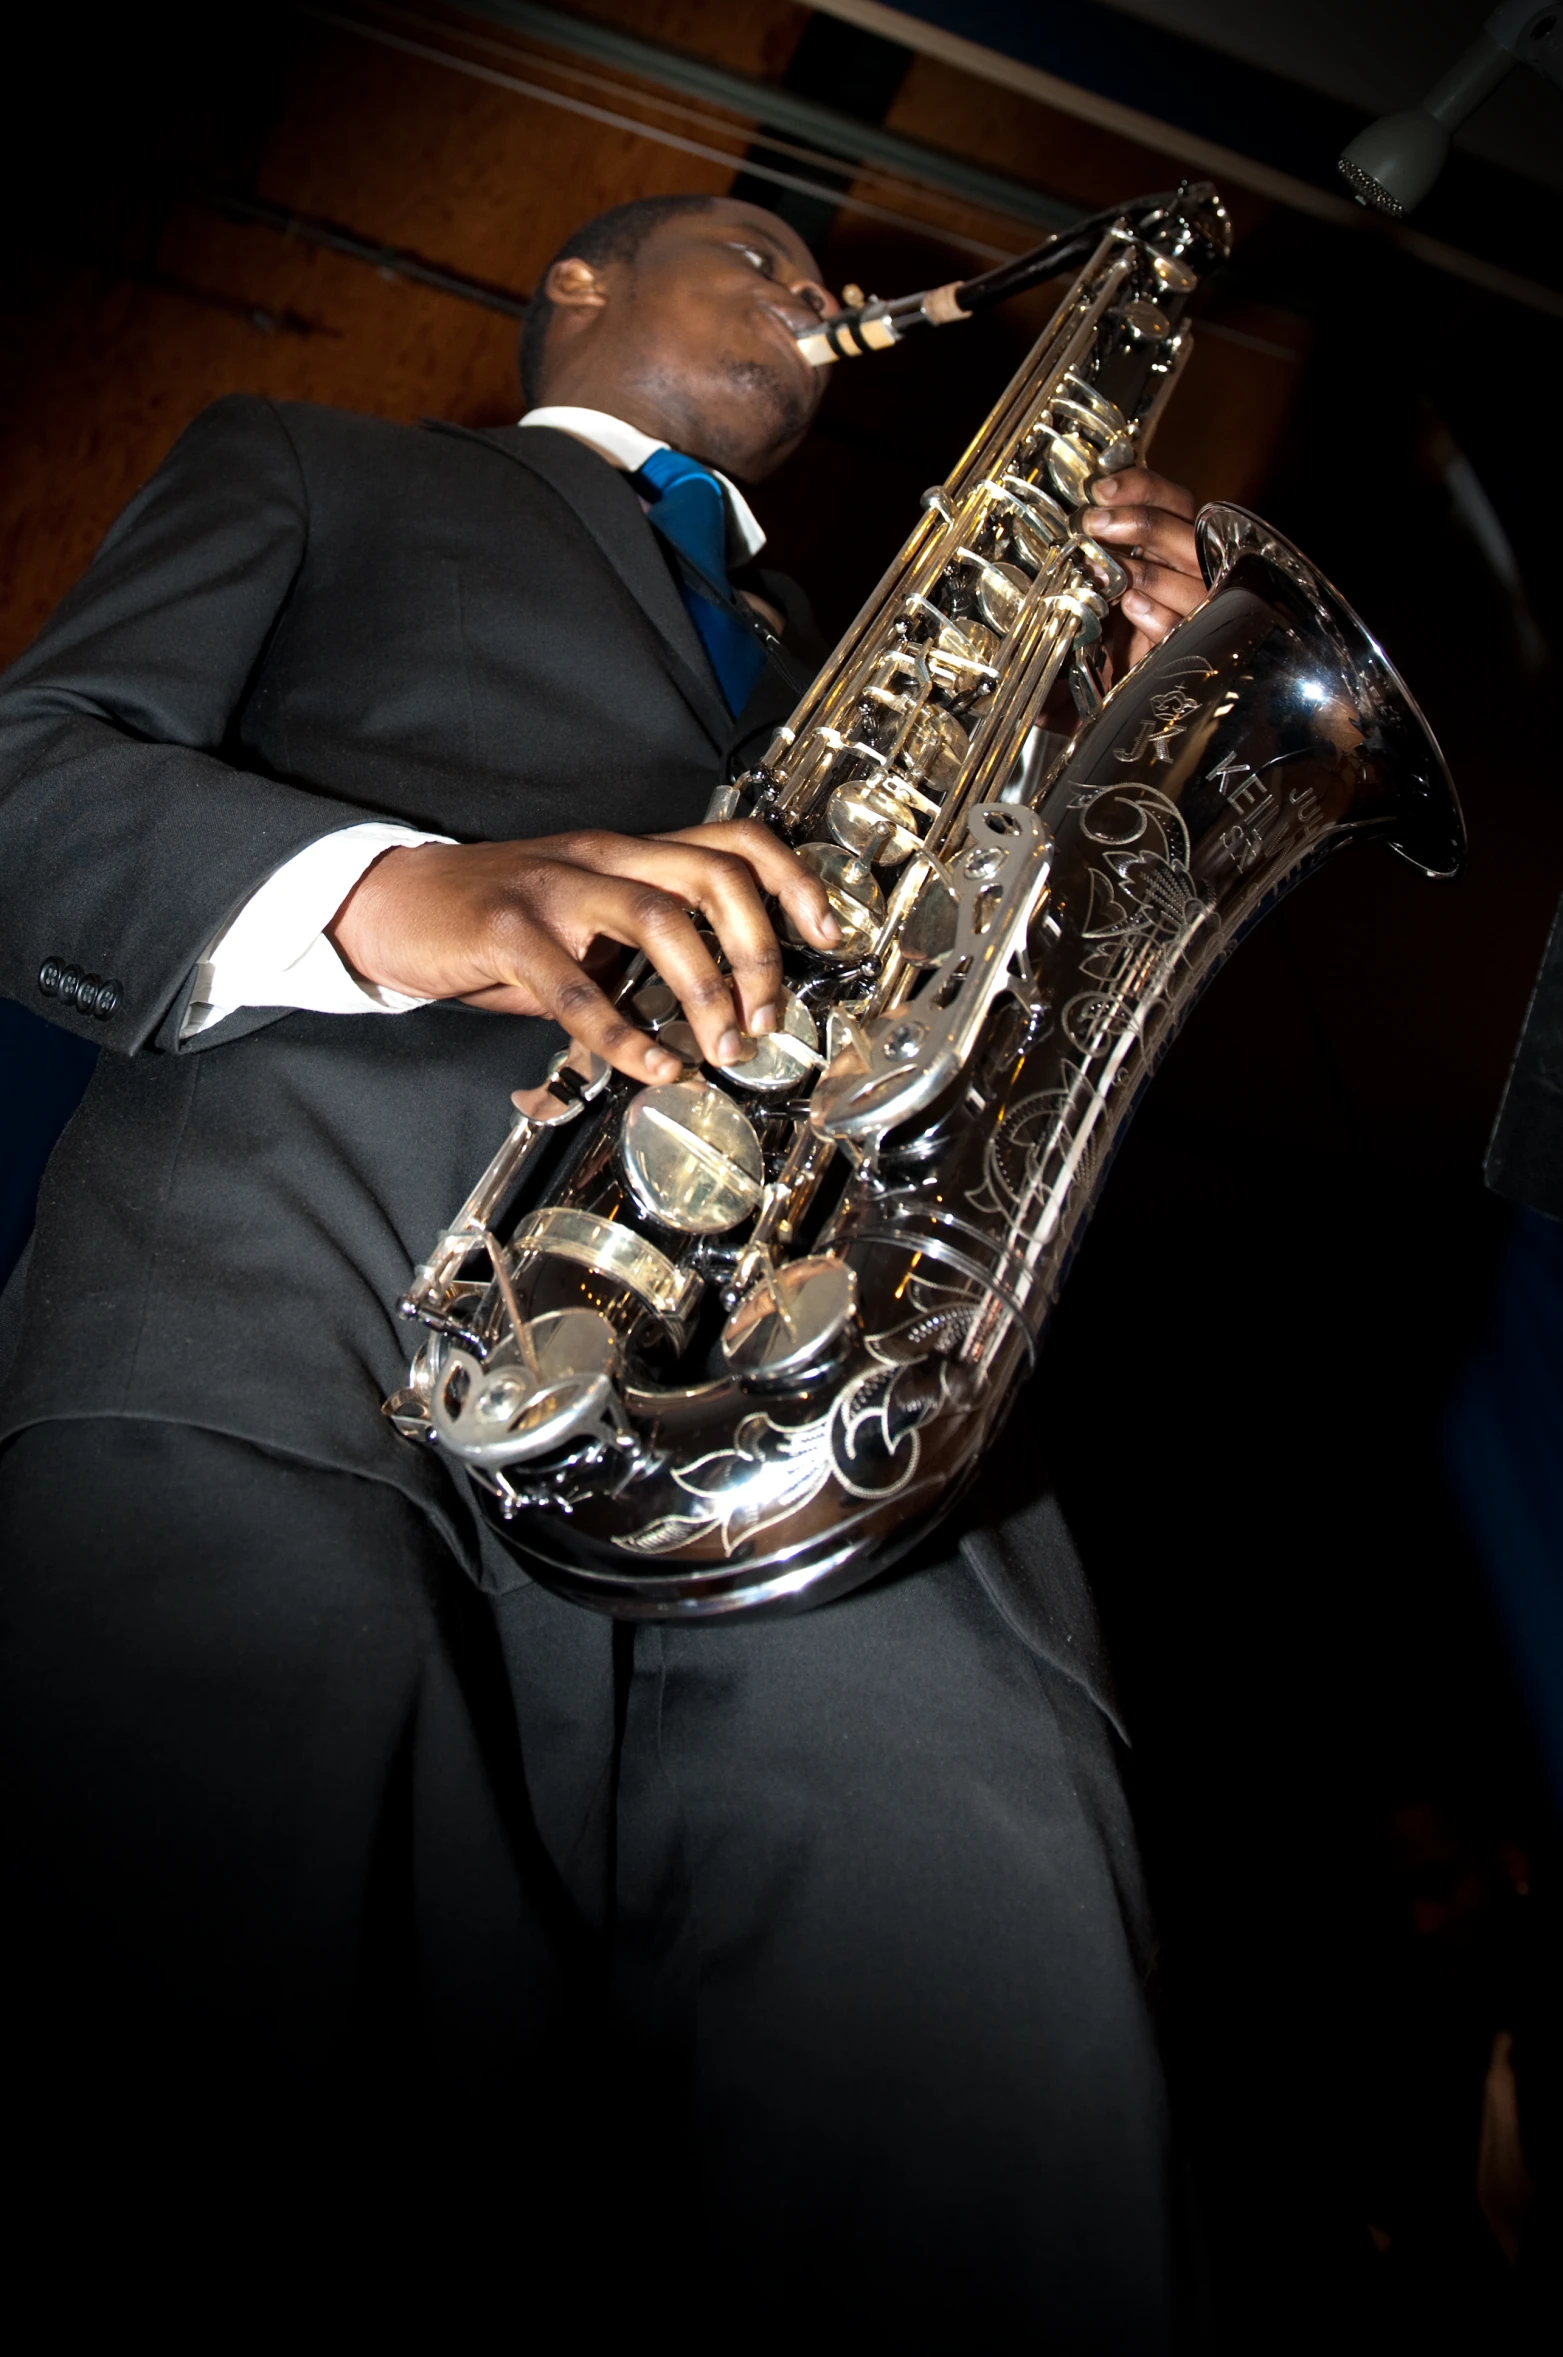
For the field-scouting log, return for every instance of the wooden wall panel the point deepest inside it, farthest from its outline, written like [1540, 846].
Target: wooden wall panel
[487, 182]
[480, 179]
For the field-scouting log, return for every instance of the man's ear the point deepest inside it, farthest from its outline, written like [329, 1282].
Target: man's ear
[573, 285]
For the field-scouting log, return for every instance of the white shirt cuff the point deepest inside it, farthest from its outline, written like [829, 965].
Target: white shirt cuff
[274, 952]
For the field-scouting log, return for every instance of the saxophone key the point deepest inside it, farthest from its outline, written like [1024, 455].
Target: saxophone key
[1001, 592]
[691, 1157]
[654, 1004]
[556, 1385]
[869, 819]
[784, 1058]
[928, 933]
[935, 747]
[856, 901]
[1072, 465]
[792, 1322]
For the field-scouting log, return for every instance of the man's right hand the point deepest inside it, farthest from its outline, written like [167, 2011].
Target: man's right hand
[518, 928]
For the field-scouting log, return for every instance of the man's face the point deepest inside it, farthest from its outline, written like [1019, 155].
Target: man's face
[697, 339]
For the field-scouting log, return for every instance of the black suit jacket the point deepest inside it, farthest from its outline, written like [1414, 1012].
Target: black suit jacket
[307, 619]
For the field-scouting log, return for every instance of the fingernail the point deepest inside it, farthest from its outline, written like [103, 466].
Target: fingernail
[830, 929]
[1097, 519]
[1105, 487]
[762, 1020]
[1135, 604]
[663, 1066]
[730, 1047]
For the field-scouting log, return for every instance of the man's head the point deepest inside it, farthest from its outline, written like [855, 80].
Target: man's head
[679, 314]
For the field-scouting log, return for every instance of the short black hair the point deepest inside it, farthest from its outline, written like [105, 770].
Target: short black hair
[614, 236]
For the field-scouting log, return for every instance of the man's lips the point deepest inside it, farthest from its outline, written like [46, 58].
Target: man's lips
[790, 329]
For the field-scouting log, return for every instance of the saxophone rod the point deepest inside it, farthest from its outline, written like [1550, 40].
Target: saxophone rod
[875, 325]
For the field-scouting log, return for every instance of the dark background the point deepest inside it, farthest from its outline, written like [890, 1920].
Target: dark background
[1245, 1392]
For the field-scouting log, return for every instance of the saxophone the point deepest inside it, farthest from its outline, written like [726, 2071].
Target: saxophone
[750, 1332]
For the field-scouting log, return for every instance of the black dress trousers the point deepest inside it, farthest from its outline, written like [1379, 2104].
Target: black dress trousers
[796, 1965]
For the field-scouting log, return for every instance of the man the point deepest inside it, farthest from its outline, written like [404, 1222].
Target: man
[336, 1839]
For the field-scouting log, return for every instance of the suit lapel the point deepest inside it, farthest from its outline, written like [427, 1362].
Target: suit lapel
[603, 503]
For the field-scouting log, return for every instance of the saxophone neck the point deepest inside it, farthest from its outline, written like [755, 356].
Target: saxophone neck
[1187, 227]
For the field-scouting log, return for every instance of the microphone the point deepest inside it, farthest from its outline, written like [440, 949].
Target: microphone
[1394, 162]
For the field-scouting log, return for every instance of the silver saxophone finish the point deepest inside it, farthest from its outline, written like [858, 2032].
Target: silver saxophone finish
[749, 1338]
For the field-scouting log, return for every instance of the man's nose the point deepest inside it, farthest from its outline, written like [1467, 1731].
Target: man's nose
[819, 298]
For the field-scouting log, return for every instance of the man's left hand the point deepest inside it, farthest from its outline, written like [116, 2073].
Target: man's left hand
[1144, 514]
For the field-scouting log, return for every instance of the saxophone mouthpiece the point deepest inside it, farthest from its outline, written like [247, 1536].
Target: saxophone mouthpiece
[850, 333]
[874, 326]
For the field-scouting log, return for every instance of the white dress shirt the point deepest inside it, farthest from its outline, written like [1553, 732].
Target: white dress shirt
[274, 952]
[627, 447]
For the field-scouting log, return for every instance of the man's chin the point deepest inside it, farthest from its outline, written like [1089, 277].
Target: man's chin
[777, 405]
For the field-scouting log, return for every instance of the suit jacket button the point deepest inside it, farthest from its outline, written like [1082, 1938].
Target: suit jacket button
[70, 980]
[106, 999]
[50, 975]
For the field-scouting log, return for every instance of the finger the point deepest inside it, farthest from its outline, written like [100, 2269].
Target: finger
[655, 918]
[1168, 588]
[779, 870]
[1151, 620]
[559, 987]
[639, 891]
[1165, 538]
[1138, 487]
[725, 890]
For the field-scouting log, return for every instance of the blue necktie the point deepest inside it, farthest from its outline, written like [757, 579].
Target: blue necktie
[691, 511]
